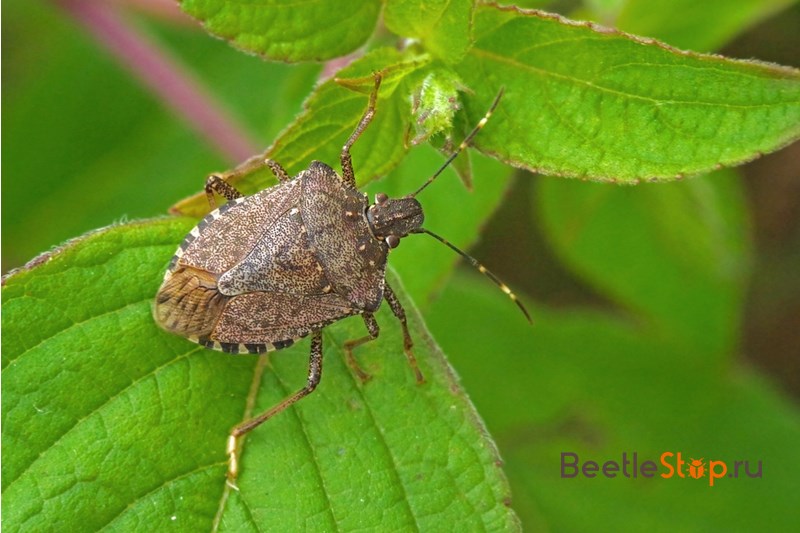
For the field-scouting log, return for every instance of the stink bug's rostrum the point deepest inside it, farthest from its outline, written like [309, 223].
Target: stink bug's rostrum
[263, 271]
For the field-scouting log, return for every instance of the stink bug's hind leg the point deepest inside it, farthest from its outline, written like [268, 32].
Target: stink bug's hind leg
[374, 330]
[408, 344]
[348, 176]
[314, 376]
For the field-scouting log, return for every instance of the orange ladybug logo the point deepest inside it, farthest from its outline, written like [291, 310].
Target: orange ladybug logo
[697, 469]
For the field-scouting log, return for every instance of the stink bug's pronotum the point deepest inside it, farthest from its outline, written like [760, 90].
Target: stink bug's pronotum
[263, 271]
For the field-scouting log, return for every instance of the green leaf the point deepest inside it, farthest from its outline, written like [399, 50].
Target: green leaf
[701, 26]
[587, 382]
[680, 252]
[314, 31]
[110, 422]
[587, 102]
[605, 11]
[330, 115]
[443, 26]
[435, 103]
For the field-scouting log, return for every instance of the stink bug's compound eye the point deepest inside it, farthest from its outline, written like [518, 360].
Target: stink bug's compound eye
[392, 241]
[381, 198]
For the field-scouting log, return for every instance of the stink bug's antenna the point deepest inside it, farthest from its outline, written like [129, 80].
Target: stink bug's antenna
[482, 269]
[464, 143]
[474, 262]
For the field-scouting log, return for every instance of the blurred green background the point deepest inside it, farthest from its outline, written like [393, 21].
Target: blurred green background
[666, 316]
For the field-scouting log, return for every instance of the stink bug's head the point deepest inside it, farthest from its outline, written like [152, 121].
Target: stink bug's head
[391, 219]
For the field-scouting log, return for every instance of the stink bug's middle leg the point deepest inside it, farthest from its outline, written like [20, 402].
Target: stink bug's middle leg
[348, 176]
[374, 330]
[314, 376]
[408, 344]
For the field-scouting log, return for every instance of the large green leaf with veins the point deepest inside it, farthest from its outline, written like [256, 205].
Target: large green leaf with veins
[590, 102]
[94, 392]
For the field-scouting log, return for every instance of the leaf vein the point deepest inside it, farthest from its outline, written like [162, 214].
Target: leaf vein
[388, 448]
[97, 409]
[198, 469]
[514, 62]
[74, 325]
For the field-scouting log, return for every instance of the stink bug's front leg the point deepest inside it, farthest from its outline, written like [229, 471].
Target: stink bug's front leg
[314, 376]
[408, 344]
[348, 176]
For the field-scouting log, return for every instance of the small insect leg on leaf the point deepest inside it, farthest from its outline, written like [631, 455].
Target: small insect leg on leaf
[217, 184]
[374, 331]
[277, 170]
[314, 376]
[220, 183]
[408, 344]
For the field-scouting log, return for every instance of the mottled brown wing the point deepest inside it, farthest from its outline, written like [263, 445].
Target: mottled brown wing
[277, 319]
[227, 235]
[188, 302]
[281, 261]
[335, 218]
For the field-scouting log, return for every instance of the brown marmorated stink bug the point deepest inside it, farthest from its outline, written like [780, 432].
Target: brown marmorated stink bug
[263, 271]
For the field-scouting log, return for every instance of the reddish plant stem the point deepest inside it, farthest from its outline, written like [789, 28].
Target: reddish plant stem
[165, 76]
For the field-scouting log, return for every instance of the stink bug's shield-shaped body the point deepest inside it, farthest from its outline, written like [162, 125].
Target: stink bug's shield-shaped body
[265, 270]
